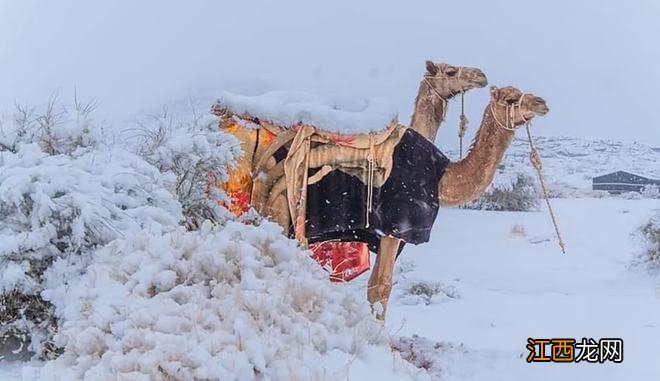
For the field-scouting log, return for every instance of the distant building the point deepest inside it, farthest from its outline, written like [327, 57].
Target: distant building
[621, 182]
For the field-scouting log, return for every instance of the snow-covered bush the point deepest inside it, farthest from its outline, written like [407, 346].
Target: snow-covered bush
[518, 231]
[55, 128]
[62, 195]
[650, 236]
[416, 291]
[193, 151]
[630, 195]
[238, 302]
[425, 354]
[650, 191]
[518, 196]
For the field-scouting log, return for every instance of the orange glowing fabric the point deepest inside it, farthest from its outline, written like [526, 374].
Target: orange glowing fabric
[239, 186]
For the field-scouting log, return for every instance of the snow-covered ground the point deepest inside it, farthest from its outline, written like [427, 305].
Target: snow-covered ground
[512, 287]
[504, 287]
[237, 301]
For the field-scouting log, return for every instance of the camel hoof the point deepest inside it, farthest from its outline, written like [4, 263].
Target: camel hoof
[378, 310]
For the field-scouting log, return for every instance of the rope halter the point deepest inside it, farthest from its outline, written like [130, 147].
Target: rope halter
[437, 93]
[510, 112]
[463, 123]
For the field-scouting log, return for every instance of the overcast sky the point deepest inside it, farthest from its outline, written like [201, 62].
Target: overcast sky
[595, 62]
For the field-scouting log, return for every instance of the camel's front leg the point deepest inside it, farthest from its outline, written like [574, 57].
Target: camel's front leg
[380, 282]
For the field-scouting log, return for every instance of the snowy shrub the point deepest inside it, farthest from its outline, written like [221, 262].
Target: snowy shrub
[518, 196]
[62, 195]
[562, 190]
[238, 302]
[630, 195]
[651, 191]
[425, 292]
[55, 128]
[425, 354]
[403, 267]
[650, 236]
[517, 230]
[598, 194]
[193, 151]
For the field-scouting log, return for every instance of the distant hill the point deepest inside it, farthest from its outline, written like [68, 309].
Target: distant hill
[573, 162]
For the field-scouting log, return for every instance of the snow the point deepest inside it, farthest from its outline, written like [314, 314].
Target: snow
[513, 287]
[238, 301]
[226, 303]
[67, 189]
[347, 115]
[56, 207]
[506, 288]
[570, 163]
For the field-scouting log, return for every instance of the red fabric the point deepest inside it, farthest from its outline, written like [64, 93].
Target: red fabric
[240, 202]
[345, 260]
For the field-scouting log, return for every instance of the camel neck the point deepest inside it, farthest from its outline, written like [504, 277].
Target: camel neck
[429, 111]
[466, 179]
[490, 142]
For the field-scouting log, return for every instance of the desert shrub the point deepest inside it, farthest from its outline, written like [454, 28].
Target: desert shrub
[518, 196]
[67, 189]
[425, 354]
[62, 195]
[65, 192]
[190, 151]
[651, 191]
[630, 195]
[650, 237]
[415, 291]
[232, 302]
[55, 128]
[518, 230]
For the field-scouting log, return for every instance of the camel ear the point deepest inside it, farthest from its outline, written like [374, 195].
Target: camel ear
[431, 68]
[494, 92]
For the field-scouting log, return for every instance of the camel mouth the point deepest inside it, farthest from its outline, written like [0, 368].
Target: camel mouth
[480, 81]
[542, 112]
[538, 106]
[541, 109]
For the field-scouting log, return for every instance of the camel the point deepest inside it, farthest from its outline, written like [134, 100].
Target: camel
[441, 83]
[457, 182]
[467, 179]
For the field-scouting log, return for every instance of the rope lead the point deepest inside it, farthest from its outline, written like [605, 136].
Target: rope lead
[462, 126]
[535, 158]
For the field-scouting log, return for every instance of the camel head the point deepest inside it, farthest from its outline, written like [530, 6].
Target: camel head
[512, 108]
[448, 80]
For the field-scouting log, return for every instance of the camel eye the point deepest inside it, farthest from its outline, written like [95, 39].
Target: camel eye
[451, 71]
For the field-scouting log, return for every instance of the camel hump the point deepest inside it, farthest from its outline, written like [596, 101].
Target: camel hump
[289, 109]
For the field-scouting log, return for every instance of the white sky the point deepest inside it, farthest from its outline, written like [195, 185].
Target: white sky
[595, 62]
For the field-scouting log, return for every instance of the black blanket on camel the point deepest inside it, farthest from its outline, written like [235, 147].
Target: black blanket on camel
[405, 206]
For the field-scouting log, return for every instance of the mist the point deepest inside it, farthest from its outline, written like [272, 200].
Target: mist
[595, 62]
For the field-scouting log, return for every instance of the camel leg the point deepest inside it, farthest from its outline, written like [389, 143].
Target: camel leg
[380, 282]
